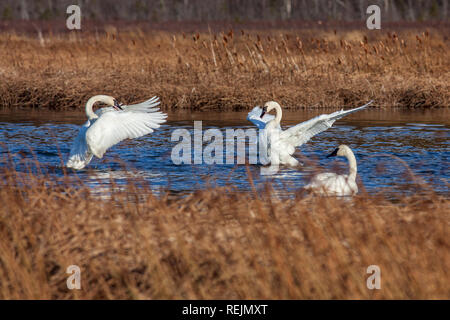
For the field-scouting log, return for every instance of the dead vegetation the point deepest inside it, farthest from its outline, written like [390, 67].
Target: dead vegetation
[228, 70]
[216, 244]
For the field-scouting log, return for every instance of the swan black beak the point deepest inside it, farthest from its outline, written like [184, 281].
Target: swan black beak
[117, 105]
[263, 112]
[334, 153]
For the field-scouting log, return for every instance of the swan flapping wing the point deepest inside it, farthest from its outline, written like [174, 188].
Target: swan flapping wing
[80, 154]
[255, 117]
[146, 106]
[113, 127]
[302, 132]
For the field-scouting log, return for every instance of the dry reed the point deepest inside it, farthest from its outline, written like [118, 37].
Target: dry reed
[215, 244]
[227, 70]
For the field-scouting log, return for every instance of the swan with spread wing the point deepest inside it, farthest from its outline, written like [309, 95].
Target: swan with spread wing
[109, 125]
[276, 145]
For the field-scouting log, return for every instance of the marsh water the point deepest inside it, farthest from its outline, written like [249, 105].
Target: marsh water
[387, 144]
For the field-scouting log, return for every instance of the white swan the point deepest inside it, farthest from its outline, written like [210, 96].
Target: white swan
[333, 184]
[110, 125]
[276, 145]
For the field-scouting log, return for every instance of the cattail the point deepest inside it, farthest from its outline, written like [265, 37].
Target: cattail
[375, 49]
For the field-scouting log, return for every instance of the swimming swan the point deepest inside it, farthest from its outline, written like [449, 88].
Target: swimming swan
[109, 125]
[276, 145]
[333, 184]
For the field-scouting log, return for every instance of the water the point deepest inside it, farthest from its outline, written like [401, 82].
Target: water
[419, 138]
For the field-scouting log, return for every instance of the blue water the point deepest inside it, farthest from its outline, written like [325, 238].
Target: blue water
[421, 141]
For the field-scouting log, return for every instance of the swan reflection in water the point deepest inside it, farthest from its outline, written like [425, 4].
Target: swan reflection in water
[103, 183]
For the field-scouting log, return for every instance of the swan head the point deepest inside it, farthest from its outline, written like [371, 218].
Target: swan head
[269, 106]
[108, 100]
[339, 151]
[117, 105]
[111, 101]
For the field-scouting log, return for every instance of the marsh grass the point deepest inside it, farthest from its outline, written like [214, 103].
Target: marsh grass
[229, 69]
[215, 243]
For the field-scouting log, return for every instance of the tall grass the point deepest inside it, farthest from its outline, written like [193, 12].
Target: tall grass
[215, 244]
[228, 70]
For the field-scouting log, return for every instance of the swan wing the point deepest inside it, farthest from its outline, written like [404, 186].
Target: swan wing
[332, 184]
[254, 116]
[80, 155]
[146, 106]
[321, 179]
[113, 127]
[149, 105]
[302, 132]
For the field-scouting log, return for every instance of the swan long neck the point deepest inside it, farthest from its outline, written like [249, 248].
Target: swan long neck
[90, 104]
[353, 169]
[279, 113]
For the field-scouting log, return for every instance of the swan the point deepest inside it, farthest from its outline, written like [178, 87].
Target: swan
[276, 145]
[330, 183]
[109, 125]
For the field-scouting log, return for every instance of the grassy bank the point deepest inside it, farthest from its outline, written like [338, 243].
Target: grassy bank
[216, 244]
[228, 70]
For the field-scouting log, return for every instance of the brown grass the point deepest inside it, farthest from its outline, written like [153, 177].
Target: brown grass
[228, 70]
[216, 244]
